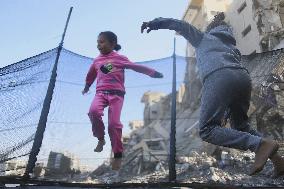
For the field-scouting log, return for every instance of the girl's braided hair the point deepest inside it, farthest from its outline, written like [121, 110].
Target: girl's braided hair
[217, 21]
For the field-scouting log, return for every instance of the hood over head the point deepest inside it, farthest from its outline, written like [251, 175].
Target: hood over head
[225, 33]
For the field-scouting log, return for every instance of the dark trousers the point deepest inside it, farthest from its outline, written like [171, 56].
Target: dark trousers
[222, 90]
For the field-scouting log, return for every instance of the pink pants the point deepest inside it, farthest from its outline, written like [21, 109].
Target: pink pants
[96, 112]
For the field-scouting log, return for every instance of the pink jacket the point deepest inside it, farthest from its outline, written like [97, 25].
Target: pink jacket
[114, 80]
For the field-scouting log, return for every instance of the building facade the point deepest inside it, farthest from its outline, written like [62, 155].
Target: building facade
[200, 12]
[257, 24]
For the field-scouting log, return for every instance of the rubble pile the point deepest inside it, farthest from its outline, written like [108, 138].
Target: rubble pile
[232, 169]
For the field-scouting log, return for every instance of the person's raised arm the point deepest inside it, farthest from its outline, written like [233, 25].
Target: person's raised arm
[189, 32]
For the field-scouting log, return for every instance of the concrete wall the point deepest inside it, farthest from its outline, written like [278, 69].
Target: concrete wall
[265, 19]
[240, 21]
[200, 12]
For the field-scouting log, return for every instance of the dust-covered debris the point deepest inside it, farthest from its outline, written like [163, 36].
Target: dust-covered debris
[202, 168]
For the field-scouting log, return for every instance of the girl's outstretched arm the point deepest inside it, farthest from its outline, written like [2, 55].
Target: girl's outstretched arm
[141, 69]
[189, 32]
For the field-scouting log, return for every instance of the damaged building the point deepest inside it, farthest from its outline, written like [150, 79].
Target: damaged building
[257, 24]
[61, 165]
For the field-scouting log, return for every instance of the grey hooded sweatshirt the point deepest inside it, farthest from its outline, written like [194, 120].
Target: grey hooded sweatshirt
[215, 49]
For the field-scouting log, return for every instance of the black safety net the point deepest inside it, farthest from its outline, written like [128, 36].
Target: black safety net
[67, 151]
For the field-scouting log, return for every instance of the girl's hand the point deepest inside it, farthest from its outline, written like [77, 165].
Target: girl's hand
[158, 75]
[85, 90]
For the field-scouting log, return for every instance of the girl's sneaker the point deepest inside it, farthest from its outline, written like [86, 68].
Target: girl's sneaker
[100, 146]
[116, 163]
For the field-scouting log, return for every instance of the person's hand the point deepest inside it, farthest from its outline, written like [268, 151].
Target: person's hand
[154, 24]
[144, 26]
[158, 75]
[85, 90]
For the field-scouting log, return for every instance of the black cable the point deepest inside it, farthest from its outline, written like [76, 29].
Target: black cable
[135, 86]
[157, 84]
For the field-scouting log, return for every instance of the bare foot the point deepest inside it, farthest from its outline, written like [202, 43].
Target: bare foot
[116, 163]
[100, 146]
[278, 163]
[266, 149]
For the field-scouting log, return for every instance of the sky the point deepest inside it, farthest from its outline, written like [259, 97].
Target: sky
[30, 27]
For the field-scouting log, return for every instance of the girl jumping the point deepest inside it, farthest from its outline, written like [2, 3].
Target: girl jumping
[108, 69]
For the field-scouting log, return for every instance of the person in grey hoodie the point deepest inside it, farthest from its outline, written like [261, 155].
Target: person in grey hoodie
[226, 85]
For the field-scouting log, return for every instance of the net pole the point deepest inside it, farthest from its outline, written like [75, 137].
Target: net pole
[45, 110]
[172, 160]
